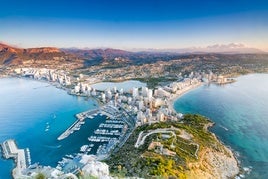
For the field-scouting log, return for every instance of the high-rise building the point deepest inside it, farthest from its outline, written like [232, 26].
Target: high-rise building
[135, 92]
[150, 94]
[144, 91]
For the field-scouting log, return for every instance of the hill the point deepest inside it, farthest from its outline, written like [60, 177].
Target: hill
[37, 57]
[176, 150]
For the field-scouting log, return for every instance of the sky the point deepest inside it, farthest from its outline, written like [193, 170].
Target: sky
[134, 24]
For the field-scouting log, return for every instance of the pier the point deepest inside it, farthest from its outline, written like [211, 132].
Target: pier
[110, 135]
[21, 157]
[77, 124]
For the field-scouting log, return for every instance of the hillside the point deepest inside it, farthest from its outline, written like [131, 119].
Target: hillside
[185, 150]
[11, 56]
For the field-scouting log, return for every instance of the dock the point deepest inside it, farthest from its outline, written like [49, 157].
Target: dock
[110, 111]
[21, 156]
[77, 124]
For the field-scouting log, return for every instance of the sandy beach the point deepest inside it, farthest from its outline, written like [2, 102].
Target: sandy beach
[180, 93]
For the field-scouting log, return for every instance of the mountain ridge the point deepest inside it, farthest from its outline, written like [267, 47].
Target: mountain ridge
[232, 48]
[10, 55]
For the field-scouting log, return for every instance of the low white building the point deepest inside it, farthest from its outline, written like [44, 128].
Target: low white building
[157, 102]
[161, 93]
[94, 168]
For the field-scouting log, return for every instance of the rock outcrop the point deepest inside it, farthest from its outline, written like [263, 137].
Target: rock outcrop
[214, 164]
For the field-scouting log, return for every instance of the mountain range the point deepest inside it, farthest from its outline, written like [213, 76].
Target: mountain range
[10, 55]
[232, 48]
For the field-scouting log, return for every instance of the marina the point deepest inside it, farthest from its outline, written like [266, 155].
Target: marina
[114, 130]
[107, 135]
[77, 124]
[101, 143]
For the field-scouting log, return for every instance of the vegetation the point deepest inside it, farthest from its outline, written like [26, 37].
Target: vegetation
[40, 176]
[142, 162]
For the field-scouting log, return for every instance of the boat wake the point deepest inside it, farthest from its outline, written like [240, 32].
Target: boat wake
[223, 127]
[41, 87]
[52, 147]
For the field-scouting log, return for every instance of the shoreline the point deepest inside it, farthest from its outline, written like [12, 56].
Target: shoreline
[230, 150]
[174, 97]
[47, 82]
[178, 95]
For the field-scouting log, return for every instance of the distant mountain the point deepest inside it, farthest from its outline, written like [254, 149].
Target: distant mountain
[7, 48]
[232, 48]
[95, 53]
[43, 50]
[14, 56]
[10, 55]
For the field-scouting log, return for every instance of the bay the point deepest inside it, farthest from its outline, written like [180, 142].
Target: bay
[35, 113]
[240, 113]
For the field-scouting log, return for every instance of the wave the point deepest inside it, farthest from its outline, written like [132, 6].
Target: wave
[247, 170]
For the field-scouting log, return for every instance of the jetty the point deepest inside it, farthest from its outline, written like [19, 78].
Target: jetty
[21, 157]
[77, 124]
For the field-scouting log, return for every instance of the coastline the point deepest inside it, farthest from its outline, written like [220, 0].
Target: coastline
[232, 157]
[180, 93]
[215, 162]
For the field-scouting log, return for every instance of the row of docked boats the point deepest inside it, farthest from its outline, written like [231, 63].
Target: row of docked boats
[111, 125]
[107, 132]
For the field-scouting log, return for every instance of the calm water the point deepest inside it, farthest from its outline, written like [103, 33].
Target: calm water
[28, 107]
[240, 111]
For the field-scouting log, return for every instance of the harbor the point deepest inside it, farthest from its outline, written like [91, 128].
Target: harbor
[107, 136]
[77, 124]
[21, 156]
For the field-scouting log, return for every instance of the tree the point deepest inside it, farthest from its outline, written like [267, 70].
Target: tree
[40, 176]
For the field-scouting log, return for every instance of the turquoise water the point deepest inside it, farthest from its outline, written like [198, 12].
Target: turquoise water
[28, 107]
[240, 111]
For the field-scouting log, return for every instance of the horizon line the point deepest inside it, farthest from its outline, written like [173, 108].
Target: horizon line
[192, 49]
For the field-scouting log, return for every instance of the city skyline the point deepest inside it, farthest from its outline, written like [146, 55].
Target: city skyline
[134, 24]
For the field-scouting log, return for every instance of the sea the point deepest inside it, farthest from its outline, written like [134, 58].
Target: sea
[35, 113]
[240, 113]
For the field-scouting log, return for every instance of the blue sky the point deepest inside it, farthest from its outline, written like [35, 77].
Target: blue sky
[134, 23]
